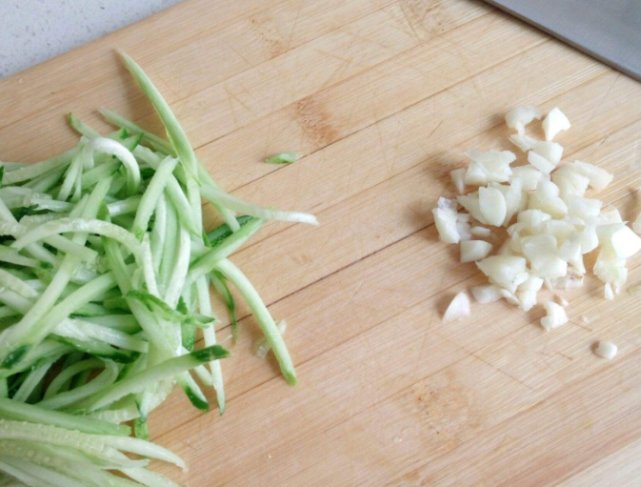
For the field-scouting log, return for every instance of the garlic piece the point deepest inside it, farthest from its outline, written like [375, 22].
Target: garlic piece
[473, 250]
[486, 293]
[483, 232]
[619, 239]
[506, 271]
[599, 178]
[446, 221]
[517, 118]
[606, 350]
[555, 315]
[554, 122]
[489, 166]
[458, 308]
[492, 205]
[540, 162]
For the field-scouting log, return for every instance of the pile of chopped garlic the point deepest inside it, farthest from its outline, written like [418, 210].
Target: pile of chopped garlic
[551, 217]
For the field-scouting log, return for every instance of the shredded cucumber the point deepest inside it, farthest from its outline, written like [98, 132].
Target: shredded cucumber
[105, 299]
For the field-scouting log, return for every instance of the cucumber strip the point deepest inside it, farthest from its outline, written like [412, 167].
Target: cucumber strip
[65, 375]
[86, 330]
[221, 250]
[124, 207]
[94, 175]
[13, 283]
[164, 370]
[193, 196]
[58, 457]
[157, 143]
[118, 150]
[125, 323]
[31, 382]
[32, 171]
[47, 351]
[18, 230]
[64, 399]
[152, 194]
[214, 195]
[263, 317]
[13, 341]
[218, 280]
[7, 312]
[12, 256]
[169, 249]
[158, 232]
[11, 409]
[81, 127]
[209, 336]
[148, 478]
[175, 133]
[193, 391]
[105, 446]
[46, 182]
[181, 268]
[149, 272]
[81, 296]
[37, 251]
[74, 171]
[64, 225]
[34, 475]
[148, 157]
[15, 301]
[182, 205]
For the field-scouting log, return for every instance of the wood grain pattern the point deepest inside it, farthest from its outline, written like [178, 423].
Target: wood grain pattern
[381, 97]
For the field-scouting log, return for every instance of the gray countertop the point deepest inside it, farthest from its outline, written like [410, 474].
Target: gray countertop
[32, 31]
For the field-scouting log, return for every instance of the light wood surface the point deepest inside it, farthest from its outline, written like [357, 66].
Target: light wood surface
[381, 97]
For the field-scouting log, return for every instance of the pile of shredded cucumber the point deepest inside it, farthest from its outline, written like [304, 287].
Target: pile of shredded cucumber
[105, 277]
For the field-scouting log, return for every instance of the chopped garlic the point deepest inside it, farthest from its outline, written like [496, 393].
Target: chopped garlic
[489, 166]
[473, 250]
[606, 350]
[540, 162]
[528, 176]
[583, 208]
[619, 239]
[446, 221]
[458, 178]
[458, 308]
[546, 198]
[519, 117]
[552, 151]
[470, 202]
[570, 181]
[492, 205]
[551, 221]
[478, 231]
[505, 271]
[599, 178]
[523, 142]
[555, 315]
[554, 122]
[486, 293]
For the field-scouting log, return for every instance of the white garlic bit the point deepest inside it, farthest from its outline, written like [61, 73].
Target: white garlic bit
[606, 350]
[517, 118]
[458, 308]
[554, 122]
[473, 250]
[555, 315]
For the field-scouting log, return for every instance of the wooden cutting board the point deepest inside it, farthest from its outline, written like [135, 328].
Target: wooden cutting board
[382, 98]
